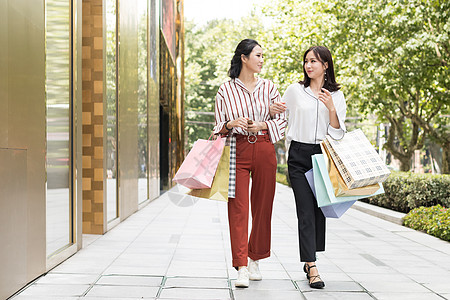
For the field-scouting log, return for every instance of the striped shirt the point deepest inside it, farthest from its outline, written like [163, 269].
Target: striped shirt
[234, 100]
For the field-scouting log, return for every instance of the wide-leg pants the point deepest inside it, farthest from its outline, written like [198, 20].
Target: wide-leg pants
[311, 221]
[259, 160]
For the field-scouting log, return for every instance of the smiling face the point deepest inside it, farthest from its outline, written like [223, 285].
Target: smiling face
[254, 61]
[314, 67]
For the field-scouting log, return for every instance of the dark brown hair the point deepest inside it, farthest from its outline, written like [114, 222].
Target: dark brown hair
[324, 56]
[244, 47]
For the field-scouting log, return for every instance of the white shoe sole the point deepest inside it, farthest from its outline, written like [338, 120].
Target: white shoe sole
[241, 285]
[255, 277]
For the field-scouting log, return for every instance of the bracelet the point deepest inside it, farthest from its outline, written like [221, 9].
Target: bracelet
[226, 126]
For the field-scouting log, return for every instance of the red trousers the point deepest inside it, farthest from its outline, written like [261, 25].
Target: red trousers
[260, 161]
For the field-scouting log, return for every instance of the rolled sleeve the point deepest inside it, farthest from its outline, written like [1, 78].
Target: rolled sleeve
[276, 128]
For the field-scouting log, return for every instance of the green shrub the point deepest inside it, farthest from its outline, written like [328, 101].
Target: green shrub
[405, 191]
[283, 170]
[282, 178]
[433, 220]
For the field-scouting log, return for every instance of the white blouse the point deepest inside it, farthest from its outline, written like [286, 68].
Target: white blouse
[234, 100]
[308, 117]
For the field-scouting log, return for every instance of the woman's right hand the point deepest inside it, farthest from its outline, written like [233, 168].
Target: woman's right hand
[277, 108]
[239, 122]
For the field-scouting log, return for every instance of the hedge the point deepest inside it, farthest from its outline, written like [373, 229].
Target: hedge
[282, 174]
[433, 220]
[405, 191]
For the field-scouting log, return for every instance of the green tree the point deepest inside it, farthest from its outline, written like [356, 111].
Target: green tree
[292, 29]
[209, 49]
[395, 57]
[390, 56]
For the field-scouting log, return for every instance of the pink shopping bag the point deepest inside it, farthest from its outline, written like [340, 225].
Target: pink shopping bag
[199, 167]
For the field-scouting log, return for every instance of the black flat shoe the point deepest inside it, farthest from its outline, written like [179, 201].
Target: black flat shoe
[315, 281]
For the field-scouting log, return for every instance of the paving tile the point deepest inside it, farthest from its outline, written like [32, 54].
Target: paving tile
[123, 291]
[47, 297]
[130, 280]
[64, 278]
[194, 293]
[439, 286]
[114, 298]
[325, 294]
[407, 296]
[82, 267]
[197, 282]
[51, 290]
[198, 264]
[387, 277]
[135, 270]
[196, 272]
[270, 284]
[393, 286]
[248, 293]
[332, 286]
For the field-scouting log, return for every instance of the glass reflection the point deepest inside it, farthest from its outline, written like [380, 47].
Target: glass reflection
[57, 84]
[111, 112]
[142, 103]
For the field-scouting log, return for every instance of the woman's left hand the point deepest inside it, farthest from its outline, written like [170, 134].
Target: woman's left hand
[256, 126]
[325, 98]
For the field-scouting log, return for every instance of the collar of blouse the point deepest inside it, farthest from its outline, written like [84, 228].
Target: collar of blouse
[240, 84]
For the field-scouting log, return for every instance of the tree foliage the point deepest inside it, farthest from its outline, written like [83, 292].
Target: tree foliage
[391, 57]
[396, 61]
[209, 49]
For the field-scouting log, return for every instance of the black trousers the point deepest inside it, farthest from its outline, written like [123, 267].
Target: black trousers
[311, 221]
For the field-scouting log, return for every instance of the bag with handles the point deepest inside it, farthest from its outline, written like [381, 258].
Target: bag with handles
[356, 159]
[199, 167]
[219, 187]
[320, 183]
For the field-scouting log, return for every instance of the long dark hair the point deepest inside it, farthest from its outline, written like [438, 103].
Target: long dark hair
[244, 47]
[324, 56]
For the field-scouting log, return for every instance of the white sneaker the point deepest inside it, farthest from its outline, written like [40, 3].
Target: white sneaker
[242, 279]
[253, 269]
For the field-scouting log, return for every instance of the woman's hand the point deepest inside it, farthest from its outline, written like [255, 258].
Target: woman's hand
[325, 98]
[256, 126]
[277, 108]
[239, 122]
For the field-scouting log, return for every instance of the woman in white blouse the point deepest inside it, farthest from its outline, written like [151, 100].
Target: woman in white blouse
[316, 108]
[242, 111]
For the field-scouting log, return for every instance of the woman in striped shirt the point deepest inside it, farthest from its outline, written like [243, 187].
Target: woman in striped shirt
[242, 111]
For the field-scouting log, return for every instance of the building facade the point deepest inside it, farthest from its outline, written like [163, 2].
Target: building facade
[91, 122]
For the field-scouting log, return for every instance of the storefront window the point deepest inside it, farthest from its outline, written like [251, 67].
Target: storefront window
[58, 87]
[143, 101]
[111, 111]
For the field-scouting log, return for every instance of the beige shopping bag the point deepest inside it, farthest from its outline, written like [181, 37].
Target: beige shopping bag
[356, 159]
[219, 187]
[339, 186]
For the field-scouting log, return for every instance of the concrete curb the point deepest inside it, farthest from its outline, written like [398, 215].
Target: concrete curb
[380, 212]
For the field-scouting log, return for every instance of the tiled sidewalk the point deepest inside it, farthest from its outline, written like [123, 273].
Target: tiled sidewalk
[178, 248]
